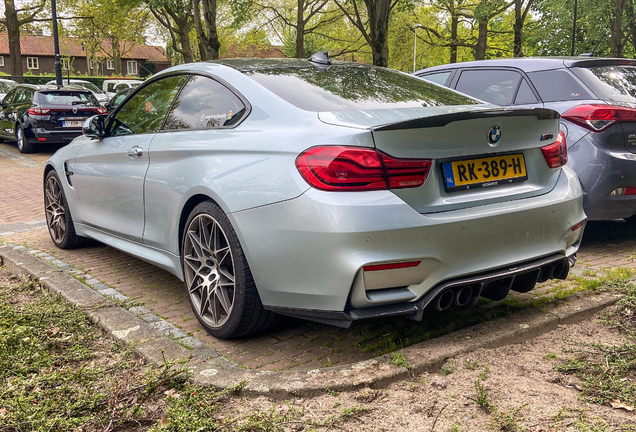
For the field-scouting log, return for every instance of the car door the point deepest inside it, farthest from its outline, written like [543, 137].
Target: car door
[198, 145]
[109, 172]
[497, 86]
[6, 119]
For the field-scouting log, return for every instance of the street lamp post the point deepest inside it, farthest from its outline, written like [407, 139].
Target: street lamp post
[415, 27]
[56, 44]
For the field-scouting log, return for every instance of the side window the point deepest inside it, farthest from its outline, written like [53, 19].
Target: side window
[23, 96]
[494, 86]
[437, 78]
[558, 85]
[525, 95]
[119, 99]
[145, 112]
[204, 103]
[9, 97]
[120, 86]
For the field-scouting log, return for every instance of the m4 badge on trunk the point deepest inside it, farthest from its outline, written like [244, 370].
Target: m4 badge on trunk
[493, 135]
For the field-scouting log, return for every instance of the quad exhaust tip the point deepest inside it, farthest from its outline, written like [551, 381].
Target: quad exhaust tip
[496, 290]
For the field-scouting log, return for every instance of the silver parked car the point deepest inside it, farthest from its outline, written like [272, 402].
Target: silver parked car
[328, 191]
[596, 98]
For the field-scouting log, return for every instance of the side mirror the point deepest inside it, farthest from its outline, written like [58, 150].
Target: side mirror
[95, 126]
[106, 105]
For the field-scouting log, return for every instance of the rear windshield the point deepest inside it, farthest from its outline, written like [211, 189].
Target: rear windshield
[53, 97]
[344, 88]
[613, 83]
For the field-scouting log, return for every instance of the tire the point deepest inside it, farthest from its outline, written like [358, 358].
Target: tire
[217, 277]
[58, 216]
[23, 144]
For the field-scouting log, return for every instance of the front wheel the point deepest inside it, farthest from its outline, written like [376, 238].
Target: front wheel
[217, 277]
[58, 215]
[23, 145]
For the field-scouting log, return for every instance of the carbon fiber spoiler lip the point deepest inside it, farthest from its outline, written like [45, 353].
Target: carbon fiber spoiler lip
[444, 119]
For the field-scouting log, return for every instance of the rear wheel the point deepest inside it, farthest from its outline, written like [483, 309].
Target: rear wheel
[217, 277]
[23, 145]
[58, 215]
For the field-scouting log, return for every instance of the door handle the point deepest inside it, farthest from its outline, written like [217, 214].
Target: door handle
[135, 151]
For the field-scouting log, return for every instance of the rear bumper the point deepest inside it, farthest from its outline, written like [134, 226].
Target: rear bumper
[52, 136]
[308, 254]
[601, 171]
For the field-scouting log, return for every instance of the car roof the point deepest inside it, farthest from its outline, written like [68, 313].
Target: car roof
[119, 81]
[45, 87]
[255, 64]
[532, 64]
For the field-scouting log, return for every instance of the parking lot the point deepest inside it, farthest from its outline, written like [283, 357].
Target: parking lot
[294, 344]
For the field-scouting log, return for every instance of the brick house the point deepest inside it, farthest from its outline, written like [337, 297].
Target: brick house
[38, 56]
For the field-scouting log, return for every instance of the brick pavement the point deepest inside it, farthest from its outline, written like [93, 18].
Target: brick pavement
[295, 344]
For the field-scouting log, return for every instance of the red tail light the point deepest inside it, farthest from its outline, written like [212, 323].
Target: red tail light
[38, 111]
[599, 117]
[359, 169]
[556, 154]
[101, 110]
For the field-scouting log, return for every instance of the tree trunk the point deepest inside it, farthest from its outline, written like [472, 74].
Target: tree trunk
[616, 28]
[13, 30]
[453, 41]
[213, 45]
[116, 55]
[482, 40]
[518, 30]
[203, 49]
[300, 30]
[183, 30]
[378, 13]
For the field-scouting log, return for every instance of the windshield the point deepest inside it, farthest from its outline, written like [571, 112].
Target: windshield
[612, 83]
[54, 97]
[353, 87]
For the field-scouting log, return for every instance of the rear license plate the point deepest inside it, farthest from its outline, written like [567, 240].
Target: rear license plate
[484, 172]
[72, 123]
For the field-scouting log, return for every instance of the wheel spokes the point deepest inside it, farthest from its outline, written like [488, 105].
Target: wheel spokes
[209, 270]
[55, 211]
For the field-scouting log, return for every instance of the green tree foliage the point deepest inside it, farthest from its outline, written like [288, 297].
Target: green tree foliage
[108, 29]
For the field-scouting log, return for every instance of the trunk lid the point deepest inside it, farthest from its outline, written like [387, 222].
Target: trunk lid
[456, 137]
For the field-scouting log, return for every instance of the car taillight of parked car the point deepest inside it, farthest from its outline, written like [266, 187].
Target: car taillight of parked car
[341, 168]
[38, 111]
[556, 154]
[599, 117]
[102, 110]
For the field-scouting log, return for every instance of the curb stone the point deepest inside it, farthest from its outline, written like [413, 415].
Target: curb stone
[156, 339]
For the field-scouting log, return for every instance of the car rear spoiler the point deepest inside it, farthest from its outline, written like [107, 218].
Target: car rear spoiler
[444, 119]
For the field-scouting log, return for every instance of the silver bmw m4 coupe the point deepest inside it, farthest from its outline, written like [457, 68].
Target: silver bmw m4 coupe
[330, 191]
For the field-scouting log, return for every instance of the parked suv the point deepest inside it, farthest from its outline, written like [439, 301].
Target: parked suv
[33, 115]
[596, 98]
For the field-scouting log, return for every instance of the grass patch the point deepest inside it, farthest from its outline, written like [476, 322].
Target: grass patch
[398, 359]
[60, 374]
[605, 370]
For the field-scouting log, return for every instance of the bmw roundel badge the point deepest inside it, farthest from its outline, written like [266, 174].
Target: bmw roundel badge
[493, 135]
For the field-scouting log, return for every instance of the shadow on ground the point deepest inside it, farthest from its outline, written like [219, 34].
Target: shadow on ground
[603, 232]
